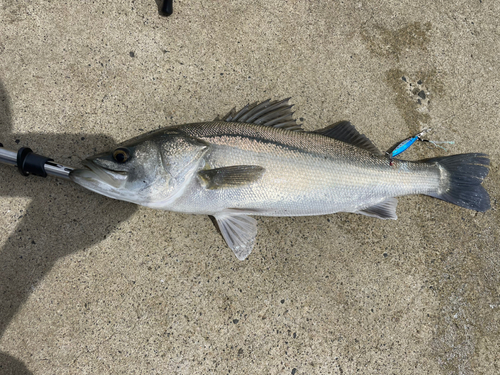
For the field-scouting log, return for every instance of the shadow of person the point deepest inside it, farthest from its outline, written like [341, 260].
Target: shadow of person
[60, 219]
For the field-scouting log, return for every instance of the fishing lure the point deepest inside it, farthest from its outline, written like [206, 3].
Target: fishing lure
[408, 142]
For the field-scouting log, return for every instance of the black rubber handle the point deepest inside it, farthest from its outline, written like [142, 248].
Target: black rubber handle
[29, 162]
[167, 9]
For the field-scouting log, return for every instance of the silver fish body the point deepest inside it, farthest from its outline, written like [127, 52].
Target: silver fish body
[259, 162]
[305, 173]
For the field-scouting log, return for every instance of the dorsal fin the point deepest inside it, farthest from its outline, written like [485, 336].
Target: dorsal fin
[345, 132]
[275, 113]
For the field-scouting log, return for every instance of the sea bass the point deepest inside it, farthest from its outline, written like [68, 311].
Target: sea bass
[258, 161]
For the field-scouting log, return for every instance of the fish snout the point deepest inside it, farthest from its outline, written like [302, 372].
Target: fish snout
[95, 174]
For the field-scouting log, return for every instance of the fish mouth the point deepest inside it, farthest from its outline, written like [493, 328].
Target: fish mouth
[98, 175]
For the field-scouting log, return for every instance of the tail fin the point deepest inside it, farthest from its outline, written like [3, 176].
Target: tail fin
[461, 180]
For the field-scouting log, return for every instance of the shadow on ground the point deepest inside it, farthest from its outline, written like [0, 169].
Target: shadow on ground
[29, 253]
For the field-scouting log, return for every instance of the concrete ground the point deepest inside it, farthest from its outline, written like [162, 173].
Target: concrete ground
[89, 285]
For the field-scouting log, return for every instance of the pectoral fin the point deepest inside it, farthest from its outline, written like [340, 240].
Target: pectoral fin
[232, 176]
[383, 210]
[239, 231]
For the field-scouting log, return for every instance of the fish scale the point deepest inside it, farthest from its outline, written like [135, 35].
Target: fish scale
[301, 177]
[258, 161]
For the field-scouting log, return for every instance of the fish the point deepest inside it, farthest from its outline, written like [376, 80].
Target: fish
[259, 162]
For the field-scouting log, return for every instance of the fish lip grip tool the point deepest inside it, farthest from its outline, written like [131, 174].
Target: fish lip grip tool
[28, 162]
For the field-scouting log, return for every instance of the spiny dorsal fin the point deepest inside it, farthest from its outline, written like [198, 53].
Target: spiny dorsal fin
[275, 113]
[383, 210]
[345, 132]
[232, 176]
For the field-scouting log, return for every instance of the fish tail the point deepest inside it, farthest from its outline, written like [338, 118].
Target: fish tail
[461, 178]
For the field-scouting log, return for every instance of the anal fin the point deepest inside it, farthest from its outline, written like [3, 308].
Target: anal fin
[383, 210]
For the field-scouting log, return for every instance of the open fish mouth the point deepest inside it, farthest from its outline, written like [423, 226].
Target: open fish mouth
[96, 174]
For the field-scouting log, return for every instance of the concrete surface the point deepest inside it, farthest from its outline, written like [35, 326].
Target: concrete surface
[89, 285]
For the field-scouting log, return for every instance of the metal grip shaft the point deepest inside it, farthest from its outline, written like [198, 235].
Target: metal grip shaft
[31, 163]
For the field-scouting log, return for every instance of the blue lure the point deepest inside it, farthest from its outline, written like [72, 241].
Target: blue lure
[406, 144]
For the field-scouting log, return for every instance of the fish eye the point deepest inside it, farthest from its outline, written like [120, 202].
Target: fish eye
[121, 155]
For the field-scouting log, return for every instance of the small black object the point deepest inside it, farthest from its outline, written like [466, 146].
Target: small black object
[29, 162]
[167, 8]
